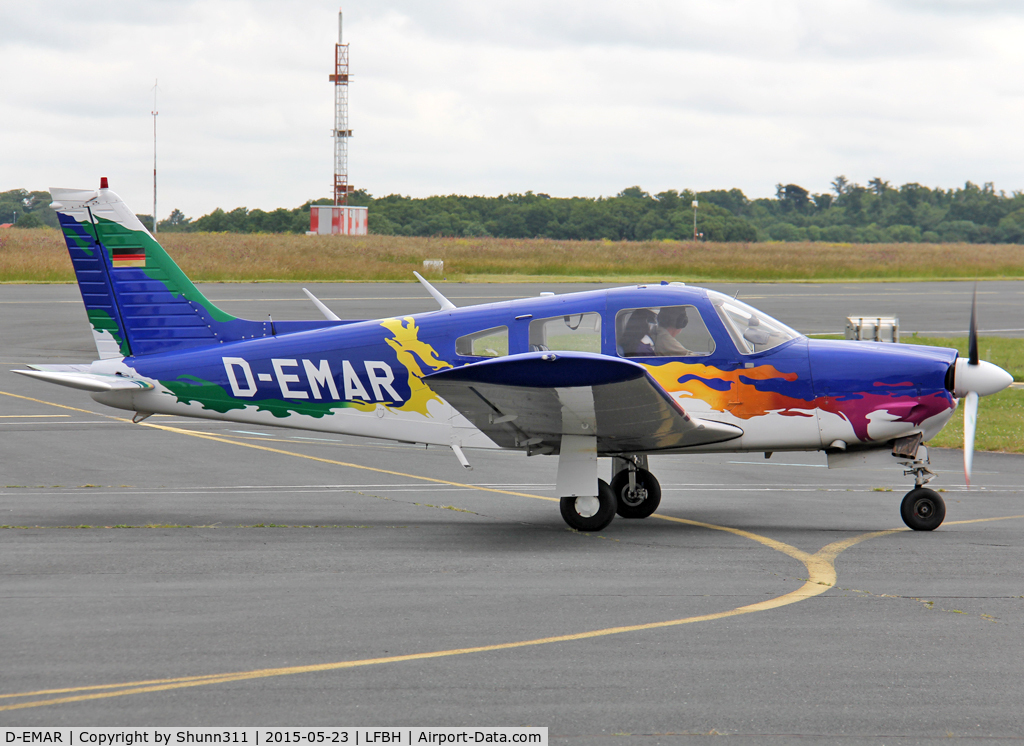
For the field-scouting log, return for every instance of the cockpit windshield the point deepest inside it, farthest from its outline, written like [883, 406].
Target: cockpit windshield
[751, 330]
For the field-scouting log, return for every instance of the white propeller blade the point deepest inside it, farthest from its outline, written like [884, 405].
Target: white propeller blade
[970, 423]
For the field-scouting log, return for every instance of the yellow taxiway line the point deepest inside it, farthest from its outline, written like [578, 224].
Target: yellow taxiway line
[821, 576]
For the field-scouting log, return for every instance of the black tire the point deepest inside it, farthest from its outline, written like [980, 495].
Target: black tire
[642, 504]
[595, 522]
[923, 509]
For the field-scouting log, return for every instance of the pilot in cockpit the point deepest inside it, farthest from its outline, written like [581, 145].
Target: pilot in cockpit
[671, 321]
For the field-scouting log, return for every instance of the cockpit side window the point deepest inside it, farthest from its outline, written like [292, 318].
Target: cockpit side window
[491, 342]
[677, 331]
[580, 332]
[751, 330]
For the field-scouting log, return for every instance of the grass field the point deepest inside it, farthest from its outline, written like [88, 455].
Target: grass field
[1000, 416]
[1000, 424]
[38, 255]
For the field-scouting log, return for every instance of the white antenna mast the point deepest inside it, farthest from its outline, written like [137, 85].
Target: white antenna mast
[154, 113]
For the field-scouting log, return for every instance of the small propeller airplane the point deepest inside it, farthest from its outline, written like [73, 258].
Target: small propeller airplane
[621, 373]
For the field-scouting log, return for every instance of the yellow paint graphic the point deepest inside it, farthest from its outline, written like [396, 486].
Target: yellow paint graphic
[361, 405]
[740, 399]
[411, 352]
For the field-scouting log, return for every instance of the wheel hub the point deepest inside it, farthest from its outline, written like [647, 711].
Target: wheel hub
[587, 506]
[633, 498]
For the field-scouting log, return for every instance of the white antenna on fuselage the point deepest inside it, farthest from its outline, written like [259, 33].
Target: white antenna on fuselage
[445, 303]
[154, 113]
[328, 313]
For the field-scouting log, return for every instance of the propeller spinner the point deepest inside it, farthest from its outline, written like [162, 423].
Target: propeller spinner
[974, 378]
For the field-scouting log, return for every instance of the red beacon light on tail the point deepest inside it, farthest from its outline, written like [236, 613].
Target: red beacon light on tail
[103, 183]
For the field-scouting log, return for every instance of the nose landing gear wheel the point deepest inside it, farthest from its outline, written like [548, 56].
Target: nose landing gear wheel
[923, 509]
[589, 513]
[643, 501]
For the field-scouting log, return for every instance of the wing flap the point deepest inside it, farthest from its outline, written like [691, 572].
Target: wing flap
[530, 401]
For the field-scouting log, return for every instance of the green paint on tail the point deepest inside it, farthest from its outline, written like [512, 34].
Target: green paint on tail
[190, 389]
[159, 265]
[103, 322]
[72, 235]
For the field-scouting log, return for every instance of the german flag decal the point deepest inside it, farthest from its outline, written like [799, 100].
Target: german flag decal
[128, 257]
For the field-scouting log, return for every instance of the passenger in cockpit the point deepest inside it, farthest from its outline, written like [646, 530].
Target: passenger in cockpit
[637, 337]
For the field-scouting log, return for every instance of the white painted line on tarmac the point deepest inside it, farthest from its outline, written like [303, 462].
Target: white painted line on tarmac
[9, 416]
[66, 422]
[766, 462]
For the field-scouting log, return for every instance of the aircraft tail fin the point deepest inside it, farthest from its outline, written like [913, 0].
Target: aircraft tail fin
[138, 300]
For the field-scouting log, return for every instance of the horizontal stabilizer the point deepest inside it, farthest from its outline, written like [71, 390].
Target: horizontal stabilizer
[532, 400]
[95, 382]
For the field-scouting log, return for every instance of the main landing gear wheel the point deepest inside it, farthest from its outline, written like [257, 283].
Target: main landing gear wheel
[641, 502]
[923, 509]
[590, 513]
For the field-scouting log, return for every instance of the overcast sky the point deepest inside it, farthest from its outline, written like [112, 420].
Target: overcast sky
[452, 96]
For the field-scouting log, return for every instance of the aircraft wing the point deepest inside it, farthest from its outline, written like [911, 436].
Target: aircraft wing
[532, 400]
[77, 377]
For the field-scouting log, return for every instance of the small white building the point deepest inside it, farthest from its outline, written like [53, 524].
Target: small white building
[338, 219]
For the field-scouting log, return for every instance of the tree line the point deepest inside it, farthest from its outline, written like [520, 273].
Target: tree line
[27, 209]
[847, 213]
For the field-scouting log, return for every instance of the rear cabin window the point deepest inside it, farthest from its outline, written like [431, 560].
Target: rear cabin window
[491, 342]
[579, 332]
[677, 331]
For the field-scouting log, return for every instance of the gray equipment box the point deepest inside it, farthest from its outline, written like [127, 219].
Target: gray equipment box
[873, 328]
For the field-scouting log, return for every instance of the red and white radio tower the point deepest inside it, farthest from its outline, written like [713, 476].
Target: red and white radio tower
[340, 218]
[341, 131]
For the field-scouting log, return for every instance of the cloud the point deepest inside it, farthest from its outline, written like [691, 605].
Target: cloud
[569, 98]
